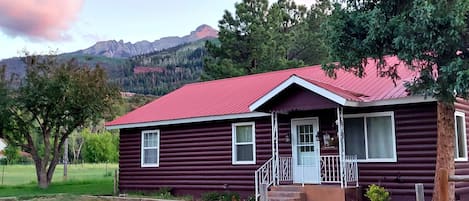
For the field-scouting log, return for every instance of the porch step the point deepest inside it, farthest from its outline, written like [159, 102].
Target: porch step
[286, 193]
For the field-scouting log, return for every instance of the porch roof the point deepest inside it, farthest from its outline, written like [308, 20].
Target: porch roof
[237, 97]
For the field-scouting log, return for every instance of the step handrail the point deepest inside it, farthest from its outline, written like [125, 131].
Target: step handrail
[264, 178]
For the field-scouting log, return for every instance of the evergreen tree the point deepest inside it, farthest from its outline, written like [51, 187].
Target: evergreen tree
[260, 38]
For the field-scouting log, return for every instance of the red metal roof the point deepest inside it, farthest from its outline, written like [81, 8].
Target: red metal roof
[235, 95]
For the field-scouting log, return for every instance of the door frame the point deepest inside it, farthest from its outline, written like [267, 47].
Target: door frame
[294, 122]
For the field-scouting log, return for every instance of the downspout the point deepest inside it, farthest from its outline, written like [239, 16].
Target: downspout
[275, 154]
[340, 135]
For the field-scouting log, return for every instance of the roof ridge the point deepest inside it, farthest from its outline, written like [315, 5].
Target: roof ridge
[255, 75]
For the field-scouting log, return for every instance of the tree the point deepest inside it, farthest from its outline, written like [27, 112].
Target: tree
[41, 110]
[260, 38]
[100, 147]
[12, 154]
[76, 141]
[430, 37]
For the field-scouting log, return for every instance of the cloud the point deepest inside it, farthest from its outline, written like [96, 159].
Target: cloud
[38, 19]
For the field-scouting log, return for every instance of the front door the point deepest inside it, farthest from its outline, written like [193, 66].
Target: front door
[305, 151]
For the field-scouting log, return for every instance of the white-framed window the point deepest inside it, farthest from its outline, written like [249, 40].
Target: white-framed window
[243, 143]
[371, 136]
[460, 140]
[150, 153]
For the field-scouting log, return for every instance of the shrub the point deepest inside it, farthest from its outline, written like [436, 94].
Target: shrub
[230, 196]
[211, 196]
[218, 196]
[377, 193]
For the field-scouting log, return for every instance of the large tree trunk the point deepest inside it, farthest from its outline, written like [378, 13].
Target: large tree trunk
[42, 179]
[445, 147]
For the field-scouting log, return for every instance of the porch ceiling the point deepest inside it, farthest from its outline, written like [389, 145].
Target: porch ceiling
[296, 98]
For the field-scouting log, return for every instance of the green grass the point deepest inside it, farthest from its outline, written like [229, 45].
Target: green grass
[26, 174]
[85, 187]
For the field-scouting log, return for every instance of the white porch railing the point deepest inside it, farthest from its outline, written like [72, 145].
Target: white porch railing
[264, 179]
[330, 172]
[351, 170]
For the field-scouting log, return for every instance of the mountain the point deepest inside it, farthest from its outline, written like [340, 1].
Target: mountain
[121, 49]
[178, 61]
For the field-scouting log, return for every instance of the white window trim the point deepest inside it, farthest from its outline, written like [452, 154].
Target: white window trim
[393, 126]
[233, 143]
[142, 164]
[463, 116]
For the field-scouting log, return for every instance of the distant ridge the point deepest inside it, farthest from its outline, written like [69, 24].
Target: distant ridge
[121, 49]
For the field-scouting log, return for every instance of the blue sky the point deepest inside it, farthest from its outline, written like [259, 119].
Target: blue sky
[40, 26]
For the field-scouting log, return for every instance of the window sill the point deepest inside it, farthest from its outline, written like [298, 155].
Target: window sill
[460, 159]
[149, 165]
[243, 163]
[393, 160]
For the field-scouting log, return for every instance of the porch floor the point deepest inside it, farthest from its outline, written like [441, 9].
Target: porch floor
[312, 192]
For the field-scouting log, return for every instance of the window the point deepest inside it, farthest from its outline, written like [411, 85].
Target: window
[370, 136]
[150, 155]
[460, 143]
[244, 143]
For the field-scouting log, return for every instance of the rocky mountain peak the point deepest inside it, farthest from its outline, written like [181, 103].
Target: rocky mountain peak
[121, 49]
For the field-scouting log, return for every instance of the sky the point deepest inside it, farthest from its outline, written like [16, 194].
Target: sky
[41, 26]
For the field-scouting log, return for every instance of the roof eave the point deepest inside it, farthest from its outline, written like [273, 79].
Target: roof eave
[188, 120]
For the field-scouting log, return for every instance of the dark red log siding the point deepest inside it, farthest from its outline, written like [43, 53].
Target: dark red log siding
[415, 127]
[462, 167]
[194, 158]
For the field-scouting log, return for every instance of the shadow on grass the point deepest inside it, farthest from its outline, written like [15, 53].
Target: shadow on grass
[73, 187]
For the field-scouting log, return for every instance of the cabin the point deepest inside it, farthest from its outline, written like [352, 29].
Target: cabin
[293, 134]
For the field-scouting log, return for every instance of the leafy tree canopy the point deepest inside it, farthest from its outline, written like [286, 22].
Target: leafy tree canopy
[40, 111]
[429, 36]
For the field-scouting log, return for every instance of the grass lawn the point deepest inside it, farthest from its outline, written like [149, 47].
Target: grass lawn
[83, 179]
[26, 174]
[85, 187]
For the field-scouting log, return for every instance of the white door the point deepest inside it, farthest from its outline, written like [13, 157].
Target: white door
[305, 151]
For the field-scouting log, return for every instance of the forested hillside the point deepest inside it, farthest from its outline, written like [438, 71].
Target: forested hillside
[160, 72]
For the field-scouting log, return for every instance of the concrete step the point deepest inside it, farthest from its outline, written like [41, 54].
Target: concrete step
[284, 199]
[286, 193]
[296, 188]
[289, 194]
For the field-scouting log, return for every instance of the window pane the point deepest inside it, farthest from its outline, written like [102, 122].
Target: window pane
[379, 136]
[244, 133]
[244, 152]
[460, 147]
[150, 140]
[150, 156]
[354, 137]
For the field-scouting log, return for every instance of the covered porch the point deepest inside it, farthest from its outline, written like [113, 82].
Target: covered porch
[308, 146]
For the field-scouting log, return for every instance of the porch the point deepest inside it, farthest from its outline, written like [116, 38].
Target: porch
[315, 140]
[316, 157]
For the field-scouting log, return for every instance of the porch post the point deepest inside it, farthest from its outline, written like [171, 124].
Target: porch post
[275, 156]
[340, 135]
